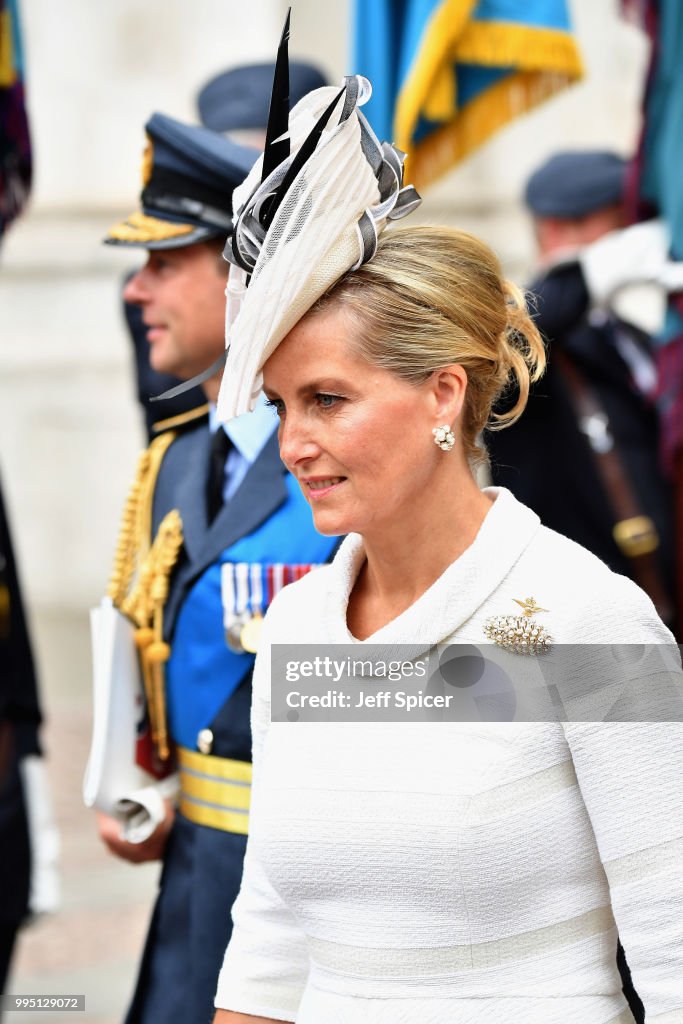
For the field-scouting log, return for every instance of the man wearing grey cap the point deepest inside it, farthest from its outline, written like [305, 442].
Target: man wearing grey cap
[229, 528]
[585, 454]
[580, 189]
[237, 100]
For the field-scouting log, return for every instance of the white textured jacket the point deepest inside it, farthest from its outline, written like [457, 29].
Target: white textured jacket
[462, 872]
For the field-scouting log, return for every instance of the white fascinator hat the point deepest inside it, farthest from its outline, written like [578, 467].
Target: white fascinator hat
[311, 208]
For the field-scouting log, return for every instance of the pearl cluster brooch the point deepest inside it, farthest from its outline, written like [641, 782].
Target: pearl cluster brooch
[519, 633]
[444, 437]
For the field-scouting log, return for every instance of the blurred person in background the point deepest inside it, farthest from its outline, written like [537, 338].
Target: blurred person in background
[20, 719]
[16, 165]
[234, 103]
[585, 454]
[29, 844]
[245, 529]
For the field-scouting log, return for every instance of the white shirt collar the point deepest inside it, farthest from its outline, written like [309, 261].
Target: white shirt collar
[250, 432]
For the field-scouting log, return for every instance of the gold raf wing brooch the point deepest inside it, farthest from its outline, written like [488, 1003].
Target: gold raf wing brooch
[520, 634]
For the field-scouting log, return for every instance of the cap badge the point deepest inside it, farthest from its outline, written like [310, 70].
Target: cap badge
[147, 162]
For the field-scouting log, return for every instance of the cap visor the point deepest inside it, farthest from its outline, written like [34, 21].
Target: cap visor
[139, 229]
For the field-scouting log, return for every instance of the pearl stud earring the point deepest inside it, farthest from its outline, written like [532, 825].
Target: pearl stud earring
[444, 437]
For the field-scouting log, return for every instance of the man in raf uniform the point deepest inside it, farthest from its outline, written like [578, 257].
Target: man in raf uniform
[235, 103]
[246, 531]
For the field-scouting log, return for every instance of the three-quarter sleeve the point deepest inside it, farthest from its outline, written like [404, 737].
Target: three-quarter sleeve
[631, 780]
[266, 964]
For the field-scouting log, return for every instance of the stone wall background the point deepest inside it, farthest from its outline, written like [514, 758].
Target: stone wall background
[69, 425]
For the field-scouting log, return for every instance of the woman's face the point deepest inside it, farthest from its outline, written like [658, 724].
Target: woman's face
[357, 438]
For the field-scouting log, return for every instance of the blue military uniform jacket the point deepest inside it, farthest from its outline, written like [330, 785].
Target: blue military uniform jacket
[209, 687]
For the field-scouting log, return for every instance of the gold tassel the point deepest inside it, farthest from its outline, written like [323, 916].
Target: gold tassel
[145, 605]
[157, 654]
[167, 543]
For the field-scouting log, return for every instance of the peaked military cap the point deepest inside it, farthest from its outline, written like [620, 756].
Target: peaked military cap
[576, 183]
[239, 99]
[188, 175]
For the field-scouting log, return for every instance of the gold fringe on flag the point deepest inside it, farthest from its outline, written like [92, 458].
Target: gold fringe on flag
[542, 62]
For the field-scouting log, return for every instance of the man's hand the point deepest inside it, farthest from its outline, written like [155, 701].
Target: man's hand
[136, 853]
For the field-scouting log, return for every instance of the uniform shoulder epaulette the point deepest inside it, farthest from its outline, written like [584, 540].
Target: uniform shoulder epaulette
[192, 418]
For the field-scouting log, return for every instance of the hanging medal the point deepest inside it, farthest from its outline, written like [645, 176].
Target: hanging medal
[235, 594]
[247, 590]
[251, 630]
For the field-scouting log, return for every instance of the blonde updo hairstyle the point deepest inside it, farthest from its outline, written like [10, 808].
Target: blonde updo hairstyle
[434, 296]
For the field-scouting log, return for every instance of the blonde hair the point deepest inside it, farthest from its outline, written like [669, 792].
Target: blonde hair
[433, 296]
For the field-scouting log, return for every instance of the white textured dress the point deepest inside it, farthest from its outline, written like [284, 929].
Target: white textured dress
[462, 873]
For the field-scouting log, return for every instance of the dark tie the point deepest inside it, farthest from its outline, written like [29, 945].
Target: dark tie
[220, 446]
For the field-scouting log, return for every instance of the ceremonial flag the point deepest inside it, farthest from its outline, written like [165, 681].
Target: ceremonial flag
[661, 154]
[656, 191]
[447, 74]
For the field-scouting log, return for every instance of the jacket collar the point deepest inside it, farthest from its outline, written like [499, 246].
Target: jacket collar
[466, 584]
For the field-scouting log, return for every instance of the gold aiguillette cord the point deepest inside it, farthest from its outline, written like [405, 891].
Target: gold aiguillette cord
[143, 602]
